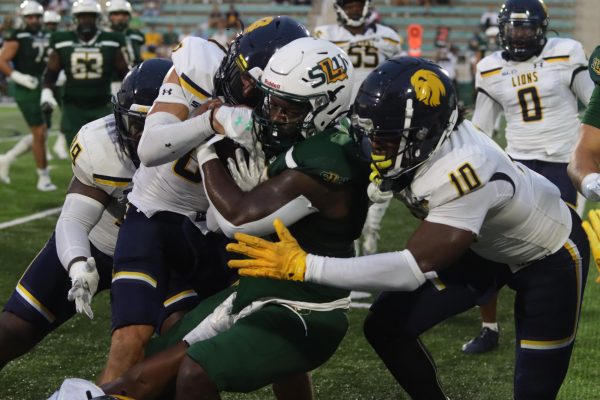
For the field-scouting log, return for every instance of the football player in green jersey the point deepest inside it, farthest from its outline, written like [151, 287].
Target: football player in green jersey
[89, 57]
[119, 15]
[26, 48]
[259, 332]
[52, 21]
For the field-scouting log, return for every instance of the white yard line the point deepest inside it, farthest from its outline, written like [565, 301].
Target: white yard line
[29, 218]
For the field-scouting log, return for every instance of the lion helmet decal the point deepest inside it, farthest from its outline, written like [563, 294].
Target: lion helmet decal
[428, 87]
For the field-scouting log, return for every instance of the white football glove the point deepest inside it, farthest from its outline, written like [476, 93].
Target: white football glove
[48, 98]
[590, 187]
[84, 283]
[30, 82]
[376, 195]
[237, 123]
[247, 176]
[218, 321]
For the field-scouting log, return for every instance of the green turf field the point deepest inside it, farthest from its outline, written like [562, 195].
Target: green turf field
[80, 346]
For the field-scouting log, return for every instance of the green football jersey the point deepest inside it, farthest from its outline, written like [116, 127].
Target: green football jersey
[135, 40]
[31, 57]
[88, 66]
[594, 66]
[331, 157]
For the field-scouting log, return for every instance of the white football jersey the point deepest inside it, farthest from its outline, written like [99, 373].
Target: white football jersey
[98, 161]
[177, 186]
[538, 98]
[471, 184]
[366, 51]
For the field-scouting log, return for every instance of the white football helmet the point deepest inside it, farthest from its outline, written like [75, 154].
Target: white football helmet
[51, 17]
[118, 6]
[307, 85]
[86, 6]
[30, 7]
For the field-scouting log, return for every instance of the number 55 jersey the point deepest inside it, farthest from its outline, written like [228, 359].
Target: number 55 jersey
[538, 97]
[367, 51]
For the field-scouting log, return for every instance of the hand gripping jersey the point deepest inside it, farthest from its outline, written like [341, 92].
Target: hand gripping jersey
[88, 66]
[99, 162]
[471, 184]
[366, 51]
[31, 57]
[177, 186]
[331, 158]
[538, 97]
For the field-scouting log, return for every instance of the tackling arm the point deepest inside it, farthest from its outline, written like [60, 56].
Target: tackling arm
[83, 208]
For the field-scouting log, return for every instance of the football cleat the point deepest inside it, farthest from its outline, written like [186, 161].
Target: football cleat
[485, 342]
[44, 184]
[4, 169]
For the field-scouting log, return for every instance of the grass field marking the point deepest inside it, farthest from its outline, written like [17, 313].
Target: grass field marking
[29, 218]
[19, 137]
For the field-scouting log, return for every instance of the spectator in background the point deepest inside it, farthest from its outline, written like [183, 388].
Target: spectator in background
[150, 9]
[170, 37]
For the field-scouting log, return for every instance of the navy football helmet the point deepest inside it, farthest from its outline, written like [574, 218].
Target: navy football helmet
[133, 100]
[523, 25]
[352, 20]
[248, 55]
[403, 112]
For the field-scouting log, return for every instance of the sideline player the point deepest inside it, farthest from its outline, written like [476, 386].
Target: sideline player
[368, 44]
[486, 222]
[536, 82]
[77, 260]
[27, 50]
[89, 57]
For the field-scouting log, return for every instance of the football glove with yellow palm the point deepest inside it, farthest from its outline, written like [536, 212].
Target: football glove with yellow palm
[284, 260]
[592, 229]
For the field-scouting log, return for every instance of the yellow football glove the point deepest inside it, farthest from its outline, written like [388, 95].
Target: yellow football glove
[284, 260]
[592, 229]
[379, 163]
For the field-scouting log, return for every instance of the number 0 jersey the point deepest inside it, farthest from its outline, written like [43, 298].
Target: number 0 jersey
[471, 184]
[538, 97]
[88, 65]
[98, 161]
[366, 51]
[177, 186]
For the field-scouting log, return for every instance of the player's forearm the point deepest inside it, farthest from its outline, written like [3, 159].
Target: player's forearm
[166, 138]
[50, 77]
[224, 195]
[585, 159]
[5, 67]
[79, 215]
[397, 271]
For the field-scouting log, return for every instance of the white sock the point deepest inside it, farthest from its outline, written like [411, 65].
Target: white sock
[22, 147]
[43, 173]
[491, 325]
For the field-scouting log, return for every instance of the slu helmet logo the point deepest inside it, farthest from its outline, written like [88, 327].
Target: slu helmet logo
[429, 88]
[329, 70]
[595, 65]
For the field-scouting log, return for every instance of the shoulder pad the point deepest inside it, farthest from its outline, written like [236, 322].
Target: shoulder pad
[10, 34]
[326, 156]
[387, 33]
[106, 36]
[461, 165]
[488, 64]
[565, 50]
[97, 158]
[594, 66]
[321, 32]
[62, 36]
[135, 34]
[196, 61]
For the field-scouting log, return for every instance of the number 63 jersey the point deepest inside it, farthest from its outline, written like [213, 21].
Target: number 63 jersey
[538, 98]
[88, 66]
[366, 51]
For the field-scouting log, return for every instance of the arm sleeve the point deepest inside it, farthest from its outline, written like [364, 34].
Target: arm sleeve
[397, 271]
[166, 138]
[79, 215]
[486, 112]
[582, 86]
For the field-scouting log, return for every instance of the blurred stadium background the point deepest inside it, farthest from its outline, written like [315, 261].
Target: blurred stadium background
[79, 347]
